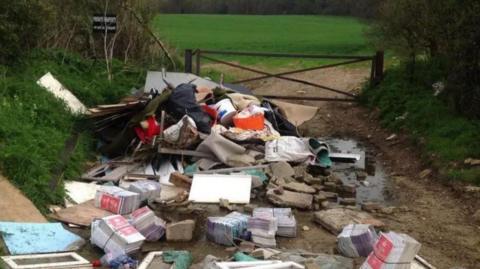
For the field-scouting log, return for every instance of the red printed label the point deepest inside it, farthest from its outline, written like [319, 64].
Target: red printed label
[110, 203]
[117, 222]
[374, 262]
[140, 211]
[126, 231]
[383, 247]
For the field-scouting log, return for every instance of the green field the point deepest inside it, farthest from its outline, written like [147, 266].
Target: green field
[293, 34]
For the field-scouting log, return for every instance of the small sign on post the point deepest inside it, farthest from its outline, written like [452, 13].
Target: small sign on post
[104, 22]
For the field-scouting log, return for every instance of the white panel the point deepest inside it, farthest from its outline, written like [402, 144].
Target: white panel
[211, 188]
[56, 88]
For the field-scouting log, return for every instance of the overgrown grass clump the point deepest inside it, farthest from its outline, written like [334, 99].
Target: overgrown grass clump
[446, 136]
[34, 124]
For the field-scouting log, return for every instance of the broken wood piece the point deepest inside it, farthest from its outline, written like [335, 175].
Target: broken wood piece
[109, 171]
[233, 169]
[81, 215]
[180, 180]
[136, 177]
[185, 152]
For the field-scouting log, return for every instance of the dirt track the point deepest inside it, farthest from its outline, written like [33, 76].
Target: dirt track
[438, 216]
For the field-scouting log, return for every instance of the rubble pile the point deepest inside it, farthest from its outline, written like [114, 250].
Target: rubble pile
[183, 140]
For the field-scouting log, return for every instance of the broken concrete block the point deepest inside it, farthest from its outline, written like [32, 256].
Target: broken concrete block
[282, 169]
[387, 210]
[349, 188]
[313, 180]
[318, 187]
[290, 199]
[279, 190]
[330, 186]
[224, 203]
[371, 207]
[180, 180]
[318, 198]
[348, 201]
[246, 246]
[180, 231]
[331, 196]
[335, 219]
[425, 173]
[264, 253]
[333, 178]
[299, 187]
[249, 208]
[361, 175]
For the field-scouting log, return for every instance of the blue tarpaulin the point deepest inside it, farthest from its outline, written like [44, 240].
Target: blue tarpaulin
[30, 238]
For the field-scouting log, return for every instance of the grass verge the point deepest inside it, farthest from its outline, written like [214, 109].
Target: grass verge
[446, 137]
[34, 124]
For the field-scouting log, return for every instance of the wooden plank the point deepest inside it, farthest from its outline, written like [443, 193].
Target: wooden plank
[116, 173]
[233, 169]
[185, 152]
[81, 214]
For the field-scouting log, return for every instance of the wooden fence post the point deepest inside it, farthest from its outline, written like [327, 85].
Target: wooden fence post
[188, 61]
[197, 65]
[379, 58]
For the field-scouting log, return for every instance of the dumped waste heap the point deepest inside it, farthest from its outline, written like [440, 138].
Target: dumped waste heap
[183, 142]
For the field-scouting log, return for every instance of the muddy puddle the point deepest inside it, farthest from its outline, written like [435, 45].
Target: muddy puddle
[310, 236]
[376, 187]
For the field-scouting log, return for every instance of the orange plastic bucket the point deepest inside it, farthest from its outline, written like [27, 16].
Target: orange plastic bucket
[254, 122]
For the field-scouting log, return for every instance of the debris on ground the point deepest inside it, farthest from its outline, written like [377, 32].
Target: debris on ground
[183, 143]
[334, 220]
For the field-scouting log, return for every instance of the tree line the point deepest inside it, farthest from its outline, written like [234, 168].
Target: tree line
[358, 8]
[441, 34]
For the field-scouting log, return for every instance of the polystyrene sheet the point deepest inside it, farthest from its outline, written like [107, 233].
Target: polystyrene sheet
[212, 188]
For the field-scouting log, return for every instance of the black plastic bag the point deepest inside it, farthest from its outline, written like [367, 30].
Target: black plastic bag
[279, 122]
[182, 102]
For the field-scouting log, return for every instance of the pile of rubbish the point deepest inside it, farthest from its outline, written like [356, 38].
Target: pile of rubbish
[183, 140]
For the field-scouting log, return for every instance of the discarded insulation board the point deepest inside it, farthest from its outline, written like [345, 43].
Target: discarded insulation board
[67, 260]
[52, 85]
[32, 238]
[212, 188]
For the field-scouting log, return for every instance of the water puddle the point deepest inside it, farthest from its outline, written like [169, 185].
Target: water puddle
[376, 187]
